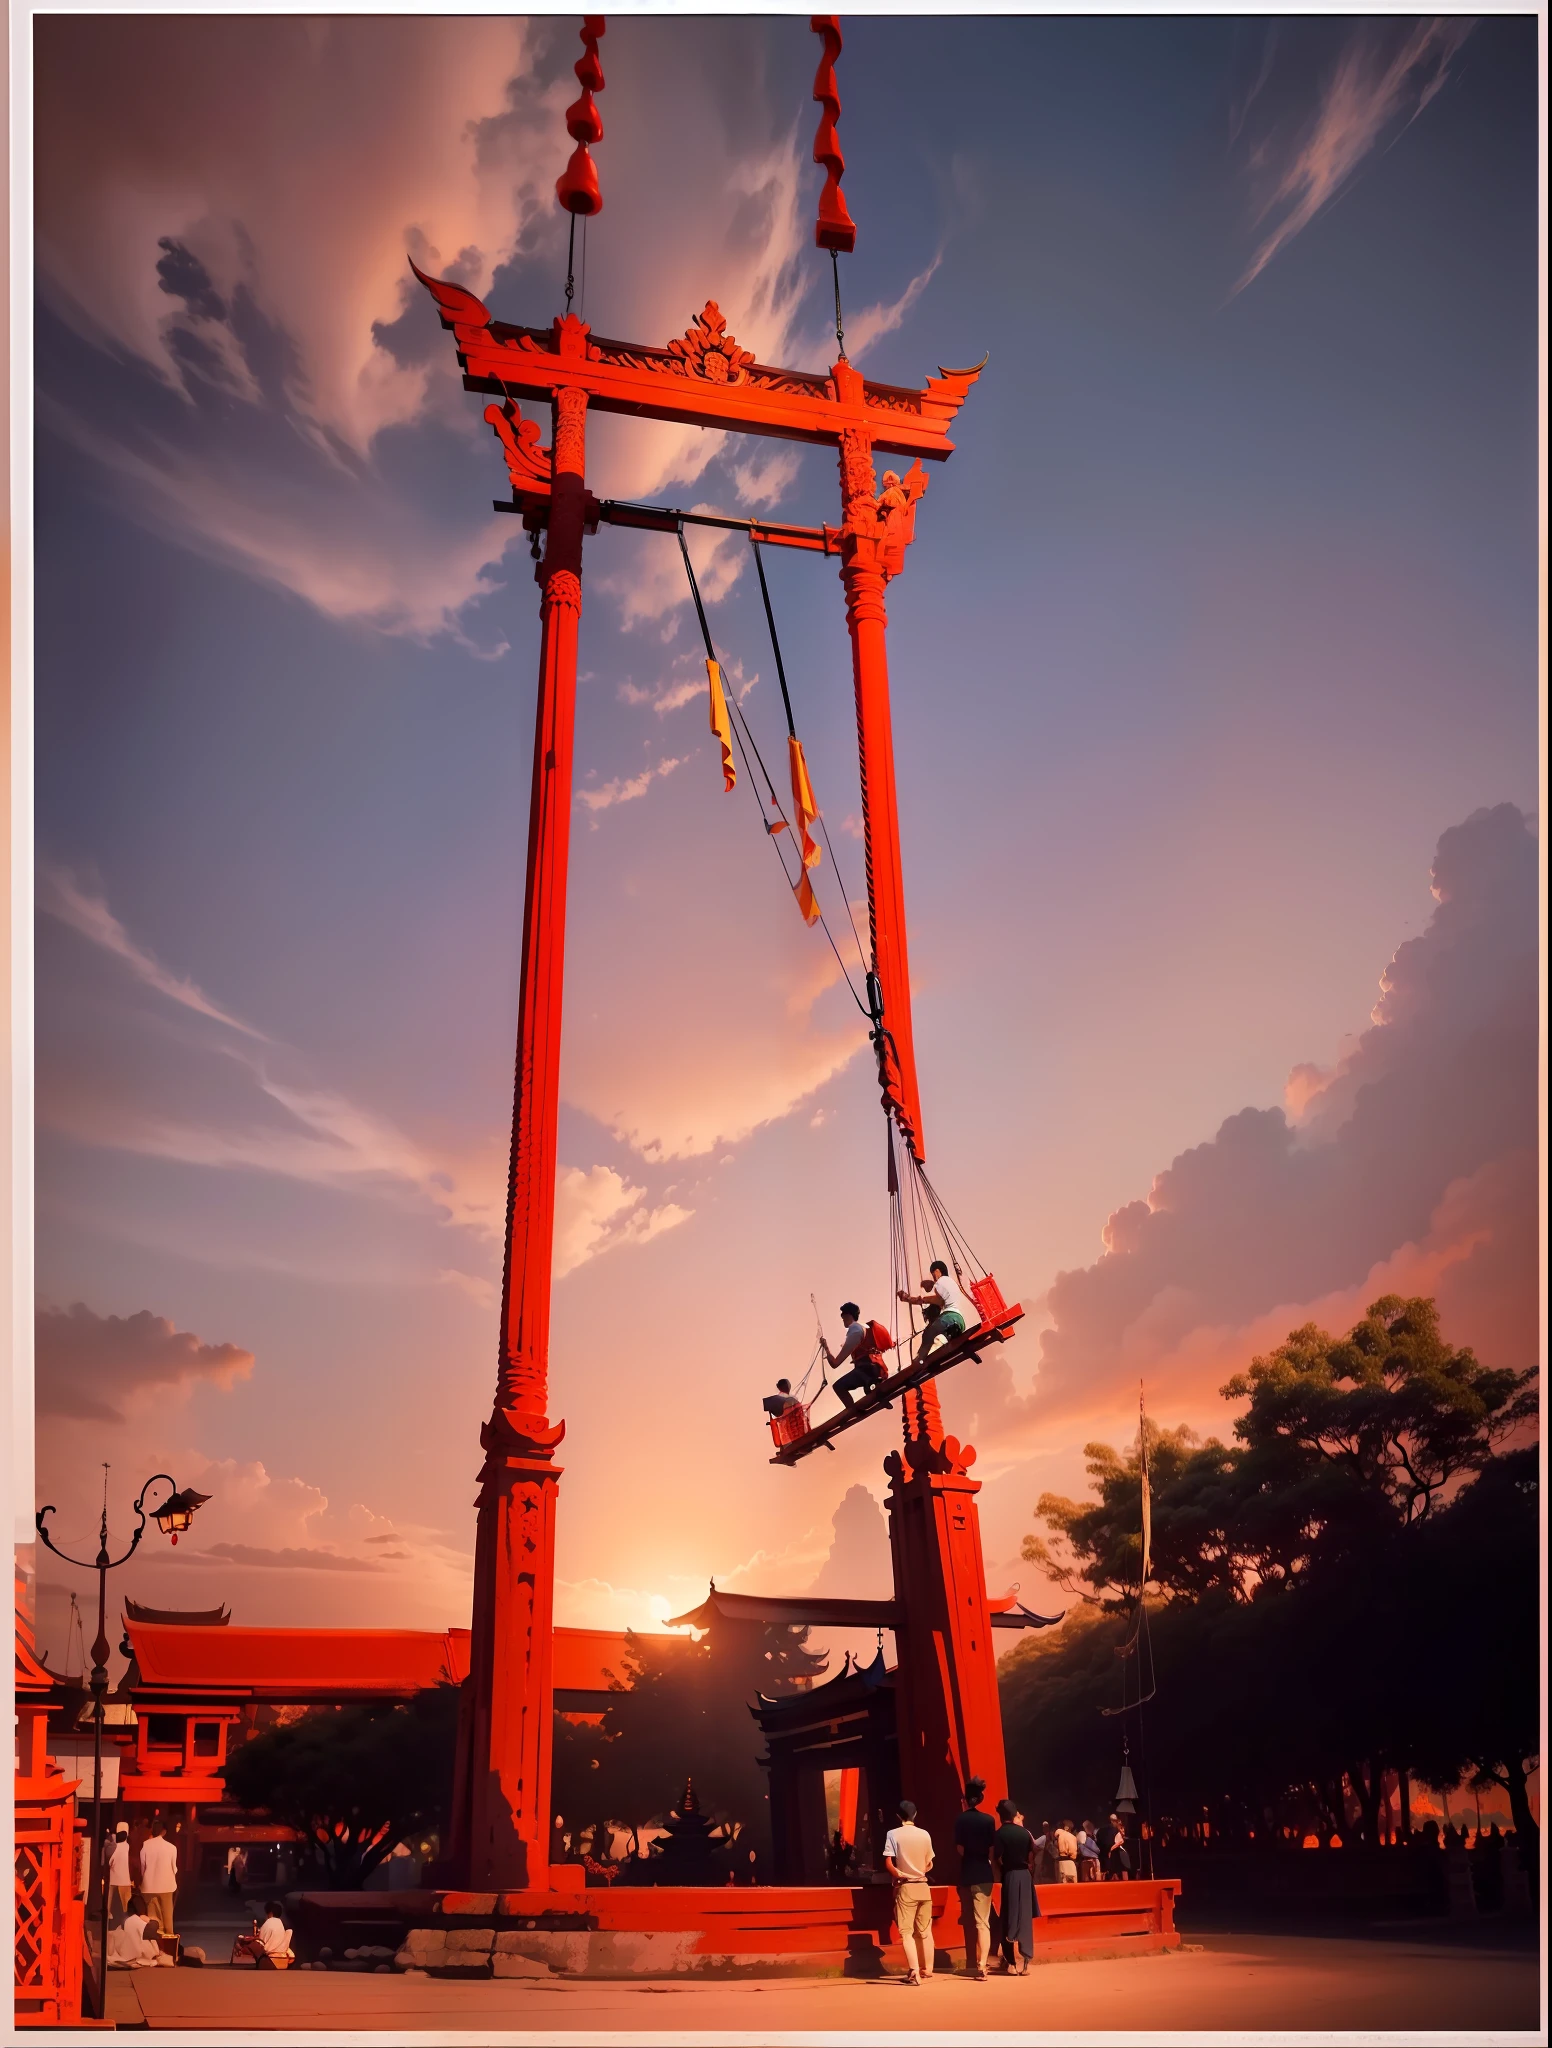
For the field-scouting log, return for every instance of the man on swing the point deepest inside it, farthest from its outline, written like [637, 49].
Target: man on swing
[860, 1344]
[951, 1314]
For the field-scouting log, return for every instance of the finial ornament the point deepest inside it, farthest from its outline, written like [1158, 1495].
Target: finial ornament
[577, 187]
[835, 229]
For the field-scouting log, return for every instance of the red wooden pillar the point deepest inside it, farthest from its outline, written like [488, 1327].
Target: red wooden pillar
[502, 1796]
[950, 1719]
[868, 557]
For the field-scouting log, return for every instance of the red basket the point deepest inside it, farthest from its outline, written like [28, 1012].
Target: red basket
[987, 1296]
[786, 1429]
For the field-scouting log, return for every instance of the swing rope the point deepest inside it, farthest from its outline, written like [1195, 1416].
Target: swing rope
[743, 734]
[792, 733]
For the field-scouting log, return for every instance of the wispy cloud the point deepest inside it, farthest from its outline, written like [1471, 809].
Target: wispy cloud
[624, 789]
[290, 1558]
[1378, 83]
[687, 682]
[597, 1209]
[61, 896]
[875, 321]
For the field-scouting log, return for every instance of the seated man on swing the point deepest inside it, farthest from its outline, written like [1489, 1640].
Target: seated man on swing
[951, 1314]
[861, 1349]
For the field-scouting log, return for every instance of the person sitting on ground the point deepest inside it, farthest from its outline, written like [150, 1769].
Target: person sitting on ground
[974, 1833]
[269, 1945]
[1088, 1854]
[951, 1314]
[859, 1348]
[132, 1945]
[782, 1402]
[1066, 1854]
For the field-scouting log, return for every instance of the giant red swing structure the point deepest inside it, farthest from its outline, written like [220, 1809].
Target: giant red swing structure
[946, 1689]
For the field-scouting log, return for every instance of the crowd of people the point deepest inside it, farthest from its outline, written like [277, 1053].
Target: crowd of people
[1001, 1861]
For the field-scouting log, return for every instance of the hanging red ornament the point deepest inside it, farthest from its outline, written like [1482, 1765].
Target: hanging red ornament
[577, 187]
[835, 228]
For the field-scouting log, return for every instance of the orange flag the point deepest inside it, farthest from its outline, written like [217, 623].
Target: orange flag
[720, 725]
[805, 810]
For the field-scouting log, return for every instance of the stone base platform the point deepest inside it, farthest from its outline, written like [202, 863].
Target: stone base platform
[668, 1931]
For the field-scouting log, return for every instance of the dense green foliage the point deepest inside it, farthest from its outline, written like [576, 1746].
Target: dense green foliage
[1312, 1590]
[353, 1782]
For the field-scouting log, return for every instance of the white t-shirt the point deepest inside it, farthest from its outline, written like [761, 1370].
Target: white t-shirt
[118, 1862]
[950, 1295]
[275, 1935]
[909, 1848]
[158, 1865]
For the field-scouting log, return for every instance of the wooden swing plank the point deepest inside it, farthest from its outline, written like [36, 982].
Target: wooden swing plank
[969, 1345]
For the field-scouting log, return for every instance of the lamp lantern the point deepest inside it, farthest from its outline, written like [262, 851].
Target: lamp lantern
[177, 1512]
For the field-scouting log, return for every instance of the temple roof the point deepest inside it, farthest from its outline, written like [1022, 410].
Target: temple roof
[179, 1617]
[294, 1663]
[822, 1612]
[816, 1610]
[301, 1664]
[851, 1687]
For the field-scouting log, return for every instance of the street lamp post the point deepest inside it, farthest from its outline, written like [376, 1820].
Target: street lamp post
[172, 1518]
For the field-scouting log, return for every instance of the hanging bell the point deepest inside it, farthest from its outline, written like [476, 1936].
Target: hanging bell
[577, 187]
[1126, 1791]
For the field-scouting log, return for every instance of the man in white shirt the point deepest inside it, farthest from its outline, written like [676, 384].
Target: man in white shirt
[951, 1314]
[274, 1934]
[119, 1880]
[908, 1859]
[159, 1875]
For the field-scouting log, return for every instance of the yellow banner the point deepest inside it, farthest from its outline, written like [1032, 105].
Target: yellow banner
[721, 727]
[803, 802]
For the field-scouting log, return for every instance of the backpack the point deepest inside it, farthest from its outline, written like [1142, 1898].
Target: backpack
[879, 1338]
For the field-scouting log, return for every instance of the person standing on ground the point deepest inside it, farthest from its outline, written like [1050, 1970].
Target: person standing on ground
[908, 1858]
[1013, 1847]
[1089, 1860]
[1119, 1861]
[1066, 1854]
[974, 1832]
[120, 1884]
[159, 1875]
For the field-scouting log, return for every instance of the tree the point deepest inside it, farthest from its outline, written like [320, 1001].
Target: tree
[1344, 1436]
[1100, 1545]
[1298, 1583]
[354, 1781]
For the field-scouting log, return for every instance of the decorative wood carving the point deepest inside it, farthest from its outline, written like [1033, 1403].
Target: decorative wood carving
[528, 465]
[570, 430]
[707, 350]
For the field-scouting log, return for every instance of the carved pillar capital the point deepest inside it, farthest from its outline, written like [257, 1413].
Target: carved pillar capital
[562, 590]
[570, 436]
[863, 581]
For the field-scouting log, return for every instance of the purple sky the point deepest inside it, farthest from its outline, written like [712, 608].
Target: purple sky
[1216, 646]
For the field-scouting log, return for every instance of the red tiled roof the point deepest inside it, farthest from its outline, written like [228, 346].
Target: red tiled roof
[323, 1663]
[296, 1663]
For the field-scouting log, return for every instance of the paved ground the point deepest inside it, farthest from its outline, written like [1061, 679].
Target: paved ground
[1234, 1981]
